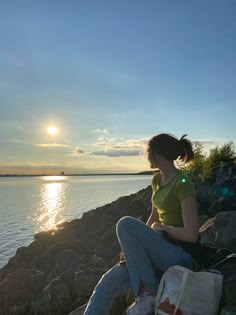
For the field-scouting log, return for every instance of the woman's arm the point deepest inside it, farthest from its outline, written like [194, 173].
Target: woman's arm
[154, 217]
[188, 233]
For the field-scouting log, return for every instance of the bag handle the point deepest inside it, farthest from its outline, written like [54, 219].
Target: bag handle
[161, 286]
[159, 293]
[185, 277]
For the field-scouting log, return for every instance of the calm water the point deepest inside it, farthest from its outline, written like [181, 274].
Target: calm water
[32, 204]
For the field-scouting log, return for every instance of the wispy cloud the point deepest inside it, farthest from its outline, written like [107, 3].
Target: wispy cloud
[102, 130]
[114, 147]
[117, 153]
[15, 141]
[202, 141]
[106, 142]
[51, 145]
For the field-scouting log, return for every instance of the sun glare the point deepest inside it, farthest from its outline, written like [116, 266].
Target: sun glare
[52, 130]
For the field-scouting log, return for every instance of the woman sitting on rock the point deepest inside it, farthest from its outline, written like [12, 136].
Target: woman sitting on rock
[168, 238]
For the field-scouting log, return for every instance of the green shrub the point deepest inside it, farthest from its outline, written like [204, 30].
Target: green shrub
[204, 165]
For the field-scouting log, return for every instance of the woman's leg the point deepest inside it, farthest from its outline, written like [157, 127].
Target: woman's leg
[113, 283]
[146, 251]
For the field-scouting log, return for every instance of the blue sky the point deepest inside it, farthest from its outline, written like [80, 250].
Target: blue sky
[110, 75]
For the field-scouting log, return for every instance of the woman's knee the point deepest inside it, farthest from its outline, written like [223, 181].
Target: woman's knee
[124, 224]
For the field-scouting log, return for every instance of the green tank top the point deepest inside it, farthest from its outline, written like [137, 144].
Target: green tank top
[167, 199]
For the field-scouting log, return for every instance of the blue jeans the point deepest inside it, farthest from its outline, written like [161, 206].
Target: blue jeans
[146, 251]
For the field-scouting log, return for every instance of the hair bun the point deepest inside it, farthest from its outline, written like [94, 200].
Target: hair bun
[182, 138]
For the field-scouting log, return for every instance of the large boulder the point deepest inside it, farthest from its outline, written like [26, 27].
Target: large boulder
[18, 289]
[220, 230]
[223, 204]
[205, 196]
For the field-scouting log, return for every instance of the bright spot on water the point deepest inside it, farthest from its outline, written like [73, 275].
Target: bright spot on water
[54, 178]
[51, 206]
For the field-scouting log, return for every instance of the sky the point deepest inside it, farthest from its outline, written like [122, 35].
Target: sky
[110, 75]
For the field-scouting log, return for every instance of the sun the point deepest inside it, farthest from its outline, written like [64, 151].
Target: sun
[52, 130]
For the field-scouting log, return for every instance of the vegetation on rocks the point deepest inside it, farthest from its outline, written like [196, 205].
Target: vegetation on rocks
[205, 165]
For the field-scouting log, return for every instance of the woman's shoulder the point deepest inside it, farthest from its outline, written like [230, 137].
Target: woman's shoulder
[184, 184]
[156, 179]
[184, 177]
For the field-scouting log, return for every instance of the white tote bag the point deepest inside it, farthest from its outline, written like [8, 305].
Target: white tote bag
[184, 292]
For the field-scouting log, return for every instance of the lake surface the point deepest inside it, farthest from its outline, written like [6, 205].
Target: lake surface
[33, 204]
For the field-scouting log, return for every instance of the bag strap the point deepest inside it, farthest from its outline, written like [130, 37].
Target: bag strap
[159, 293]
[184, 279]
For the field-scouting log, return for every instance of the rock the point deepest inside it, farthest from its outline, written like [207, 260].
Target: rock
[56, 297]
[90, 239]
[86, 280]
[18, 288]
[65, 260]
[108, 238]
[228, 270]
[223, 204]
[220, 231]
[228, 310]
[225, 187]
[205, 197]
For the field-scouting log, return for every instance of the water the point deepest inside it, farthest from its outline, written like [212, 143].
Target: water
[33, 204]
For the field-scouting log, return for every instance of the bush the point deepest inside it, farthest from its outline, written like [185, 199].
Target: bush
[205, 166]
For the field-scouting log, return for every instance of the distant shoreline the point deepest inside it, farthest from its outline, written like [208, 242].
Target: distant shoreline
[103, 174]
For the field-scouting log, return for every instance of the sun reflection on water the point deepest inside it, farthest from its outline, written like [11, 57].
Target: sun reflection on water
[52, 206]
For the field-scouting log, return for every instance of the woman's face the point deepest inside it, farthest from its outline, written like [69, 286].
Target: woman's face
[152, 158]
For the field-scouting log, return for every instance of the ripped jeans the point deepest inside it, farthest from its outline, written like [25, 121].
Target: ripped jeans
[146, 251]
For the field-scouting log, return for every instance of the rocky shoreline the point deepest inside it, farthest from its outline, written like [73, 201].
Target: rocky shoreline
[57, 272]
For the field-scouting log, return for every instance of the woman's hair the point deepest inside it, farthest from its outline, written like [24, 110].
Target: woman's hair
[171, 148]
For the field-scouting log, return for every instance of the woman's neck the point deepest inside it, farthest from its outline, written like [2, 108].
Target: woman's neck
[168, 172]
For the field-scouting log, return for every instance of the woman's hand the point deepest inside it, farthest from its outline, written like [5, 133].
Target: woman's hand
[157, 226]
[187, 233]
[122, 257]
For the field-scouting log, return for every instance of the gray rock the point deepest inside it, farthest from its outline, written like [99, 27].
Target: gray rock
[56, 298]
[18, 288]
[223, 204]
[86, 280]
[229, 310]
[65, 260]
[220, 231]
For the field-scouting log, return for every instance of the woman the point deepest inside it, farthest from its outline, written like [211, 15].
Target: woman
[168, 238]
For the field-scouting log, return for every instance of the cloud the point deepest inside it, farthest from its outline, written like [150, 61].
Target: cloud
[78, 150]
[119, 144]
[138, 144]
[117, 153]
[51, 145]
[115, 148]
[102, 130]
[202, 141]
